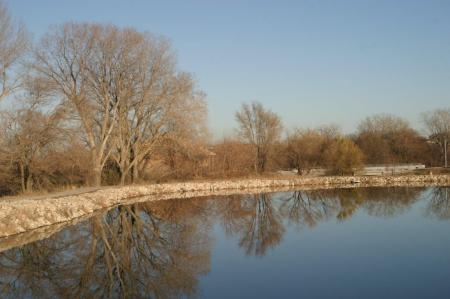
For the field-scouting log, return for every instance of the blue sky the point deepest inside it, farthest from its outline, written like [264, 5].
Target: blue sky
[312, 62]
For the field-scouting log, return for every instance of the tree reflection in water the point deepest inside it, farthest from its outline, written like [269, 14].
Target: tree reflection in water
[307, 208]
[390, 202]
[439, 203]
[135, 251]
[255, 219]
[160, 249]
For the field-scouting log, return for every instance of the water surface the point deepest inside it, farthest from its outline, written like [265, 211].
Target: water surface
[348, 243]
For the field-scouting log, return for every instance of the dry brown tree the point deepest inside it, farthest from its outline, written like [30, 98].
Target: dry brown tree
[163, 108]
[343, 156]
[385, 138]
[13, 44]
[437, 124]
[65, 56]
[29, 133]
[304, 149]
[89, 65]
[261, 128]
[121, 87]
[233, 158]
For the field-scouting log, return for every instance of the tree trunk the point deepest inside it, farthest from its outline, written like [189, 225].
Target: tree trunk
[22, 177]
[257, 160]
[135, 167]
[29, 182]
[445, 153]
[96, 175]
[135, 173]
[96, 179]
[26, 179]
[261, 159]
[263, 162]
[123, 177]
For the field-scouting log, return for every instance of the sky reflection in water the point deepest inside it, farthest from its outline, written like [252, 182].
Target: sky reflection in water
[366, 242]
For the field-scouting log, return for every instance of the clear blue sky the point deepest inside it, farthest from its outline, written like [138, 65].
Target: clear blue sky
[312, 62]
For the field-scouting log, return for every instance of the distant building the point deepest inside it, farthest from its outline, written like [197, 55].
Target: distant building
[389, 169]
[383, 169]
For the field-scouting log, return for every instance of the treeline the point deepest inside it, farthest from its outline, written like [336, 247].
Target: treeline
[262, 145]
[93, 104]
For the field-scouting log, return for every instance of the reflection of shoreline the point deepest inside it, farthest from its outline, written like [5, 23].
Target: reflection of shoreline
[24, 215]
[163, 247]
[40, 233]
[46, 231]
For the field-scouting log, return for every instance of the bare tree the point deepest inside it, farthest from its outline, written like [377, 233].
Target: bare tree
[304, 149]
[29, 134]
[184, 142]
[383, 123]
[165, 106]
[13, 44]
[343, 156]
[437, 123]
[93, 68]
[261, 128]
[123, 89]
[386, 138]
[233, 158]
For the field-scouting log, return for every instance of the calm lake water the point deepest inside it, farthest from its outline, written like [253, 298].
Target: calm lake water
[350, 243]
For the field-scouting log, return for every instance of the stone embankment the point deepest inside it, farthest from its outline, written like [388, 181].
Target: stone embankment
[24, 215]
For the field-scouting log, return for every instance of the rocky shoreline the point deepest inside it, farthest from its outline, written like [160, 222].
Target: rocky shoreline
[26, 215]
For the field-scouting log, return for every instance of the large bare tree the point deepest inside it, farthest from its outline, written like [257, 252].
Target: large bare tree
[165, 106]
[13, 44]
[261, 128]
[92, 68]
[122, 87]
[437, 123]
